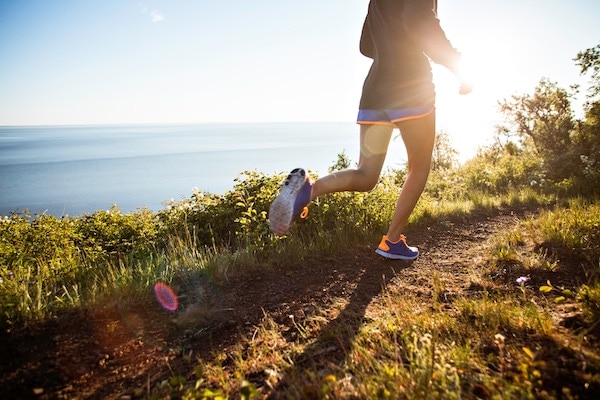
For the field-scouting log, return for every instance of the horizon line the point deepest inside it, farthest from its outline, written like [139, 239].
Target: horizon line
[169, 123]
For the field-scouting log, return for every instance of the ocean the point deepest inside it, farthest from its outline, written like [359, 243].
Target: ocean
[73, 170]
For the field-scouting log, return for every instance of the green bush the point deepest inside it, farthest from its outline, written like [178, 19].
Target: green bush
[500, 169]
[233, 220]
[48, 263]
[107, 234]
[37, 259]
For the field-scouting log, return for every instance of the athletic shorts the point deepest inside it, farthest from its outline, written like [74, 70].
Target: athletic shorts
[392, 117]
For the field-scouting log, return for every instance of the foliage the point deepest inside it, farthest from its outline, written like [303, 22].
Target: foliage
[112, 233]
[545, 119]
[589, 297]
[544, 122]
[47, 263]
[587, 141]
[502, 168]
[342, 162]
[198, 215]
[444, 155]
[589, 60]
[565, 240]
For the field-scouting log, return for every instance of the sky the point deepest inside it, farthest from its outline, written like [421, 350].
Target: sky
[66, 62]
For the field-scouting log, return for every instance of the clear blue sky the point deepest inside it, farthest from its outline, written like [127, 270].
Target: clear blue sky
[130, 61]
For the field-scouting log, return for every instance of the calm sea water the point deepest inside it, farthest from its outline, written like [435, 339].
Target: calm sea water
[72, 170]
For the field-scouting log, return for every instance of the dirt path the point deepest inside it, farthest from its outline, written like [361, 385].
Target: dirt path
[109, 352]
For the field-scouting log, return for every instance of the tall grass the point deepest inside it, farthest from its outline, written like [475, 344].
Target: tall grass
[50, 265]
[575, 228]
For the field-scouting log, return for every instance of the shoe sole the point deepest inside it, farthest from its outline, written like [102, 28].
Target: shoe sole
[281, 212]
[395, 256]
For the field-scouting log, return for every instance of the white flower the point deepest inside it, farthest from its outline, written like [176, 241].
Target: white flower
[522, 280]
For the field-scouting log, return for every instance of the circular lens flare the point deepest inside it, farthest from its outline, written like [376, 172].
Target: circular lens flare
[166, 297]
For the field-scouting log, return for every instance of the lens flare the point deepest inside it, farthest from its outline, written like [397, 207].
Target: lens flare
[166, 297]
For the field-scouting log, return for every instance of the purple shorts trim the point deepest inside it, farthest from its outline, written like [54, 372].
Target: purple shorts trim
[392, 117]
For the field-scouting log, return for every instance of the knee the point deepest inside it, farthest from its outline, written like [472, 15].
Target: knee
[367, 182]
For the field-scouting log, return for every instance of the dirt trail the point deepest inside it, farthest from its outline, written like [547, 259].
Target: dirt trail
[108, 353]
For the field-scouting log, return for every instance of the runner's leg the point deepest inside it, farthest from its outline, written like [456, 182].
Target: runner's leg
[418, 136]
[374, 141]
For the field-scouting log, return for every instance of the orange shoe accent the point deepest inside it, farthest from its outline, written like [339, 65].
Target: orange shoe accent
[383, 245]
[304, 213]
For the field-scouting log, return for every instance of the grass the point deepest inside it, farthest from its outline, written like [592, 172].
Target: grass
[498, 342]
[502, 343]
[396, 353]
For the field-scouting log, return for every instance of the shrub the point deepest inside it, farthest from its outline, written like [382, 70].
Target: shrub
[107, 234]
[235, 219]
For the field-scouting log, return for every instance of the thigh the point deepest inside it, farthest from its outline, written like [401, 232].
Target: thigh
[419, 136]
[374, 141]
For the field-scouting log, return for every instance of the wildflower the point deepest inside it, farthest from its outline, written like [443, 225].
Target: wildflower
[522, 280]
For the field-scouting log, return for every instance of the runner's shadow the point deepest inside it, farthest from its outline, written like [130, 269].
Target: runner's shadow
[335, 341]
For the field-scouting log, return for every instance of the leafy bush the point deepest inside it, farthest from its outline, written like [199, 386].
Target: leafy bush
[37, 259]
[545, 124]
[106, 234]
[25, 244]
[238, 219]
[47, 263]
[233, 220]
[501, 168]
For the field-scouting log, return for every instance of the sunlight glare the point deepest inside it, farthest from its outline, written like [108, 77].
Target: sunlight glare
[470, 119]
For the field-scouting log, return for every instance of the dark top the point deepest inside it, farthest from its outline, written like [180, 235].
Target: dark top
[401, 36]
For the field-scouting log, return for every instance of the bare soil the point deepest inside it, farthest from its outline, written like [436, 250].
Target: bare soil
[111, 351]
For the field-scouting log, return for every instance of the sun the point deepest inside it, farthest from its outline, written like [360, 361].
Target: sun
[471, 119]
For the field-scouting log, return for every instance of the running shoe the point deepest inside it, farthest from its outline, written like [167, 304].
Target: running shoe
[398, 250]
[291, 202]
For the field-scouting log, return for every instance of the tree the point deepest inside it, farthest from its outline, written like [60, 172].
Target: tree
[589, 61]
[444, 155]
[588, 133]
[546, 119]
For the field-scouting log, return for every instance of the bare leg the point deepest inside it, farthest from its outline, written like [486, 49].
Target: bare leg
[418, 136]
[374, 141]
